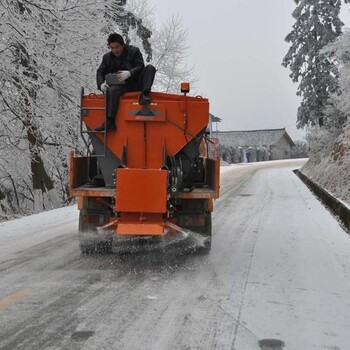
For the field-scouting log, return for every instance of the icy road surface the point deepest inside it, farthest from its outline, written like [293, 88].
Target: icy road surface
[279, 268]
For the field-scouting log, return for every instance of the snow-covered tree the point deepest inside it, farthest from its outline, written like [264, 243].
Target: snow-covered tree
[141, 9]
[170, 44]
[117, 13]
[300, 150]
[339, 106]
[25, 29]
[170, 48]
[48, 51]
[317, 24]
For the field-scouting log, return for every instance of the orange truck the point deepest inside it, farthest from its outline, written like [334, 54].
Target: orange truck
[157, 174]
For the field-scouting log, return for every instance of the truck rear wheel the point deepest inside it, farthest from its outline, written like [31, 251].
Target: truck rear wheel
[90, 240]
[105, 245]
[90, 243]
[206, 232]
[86, 246]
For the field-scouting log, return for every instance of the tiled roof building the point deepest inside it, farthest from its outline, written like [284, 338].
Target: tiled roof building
[254, 145]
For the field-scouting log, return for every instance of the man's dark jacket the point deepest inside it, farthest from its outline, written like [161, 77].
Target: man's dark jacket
[130, 60]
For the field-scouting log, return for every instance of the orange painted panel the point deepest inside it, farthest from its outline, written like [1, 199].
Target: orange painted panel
[184, 118]
[93, 117]
[152, 113]
[141, 190]
[141, 229]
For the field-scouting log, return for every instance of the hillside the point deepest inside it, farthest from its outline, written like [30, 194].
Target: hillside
[331, 170]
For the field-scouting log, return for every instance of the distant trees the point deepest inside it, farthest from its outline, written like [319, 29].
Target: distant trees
[317, 24]
[300, 150]
[170, 48]
[230, 154]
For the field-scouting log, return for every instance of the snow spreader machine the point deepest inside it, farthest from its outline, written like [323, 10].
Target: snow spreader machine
[155, 175]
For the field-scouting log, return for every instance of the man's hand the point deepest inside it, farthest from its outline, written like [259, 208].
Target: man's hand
[122, 75]
[104, 87]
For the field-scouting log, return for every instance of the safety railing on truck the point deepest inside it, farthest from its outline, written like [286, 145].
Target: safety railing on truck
[83, 113]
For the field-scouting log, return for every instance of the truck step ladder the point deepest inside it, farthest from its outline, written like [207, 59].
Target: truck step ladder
[84, 112]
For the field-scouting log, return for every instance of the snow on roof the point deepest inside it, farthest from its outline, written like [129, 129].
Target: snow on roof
[246, 138]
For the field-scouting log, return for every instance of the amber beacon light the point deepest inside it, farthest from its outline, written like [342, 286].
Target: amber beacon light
[185, 88]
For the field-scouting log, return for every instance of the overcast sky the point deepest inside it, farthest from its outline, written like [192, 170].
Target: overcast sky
[237, 47]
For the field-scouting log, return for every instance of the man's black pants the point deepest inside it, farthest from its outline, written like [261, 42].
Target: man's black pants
[114, 92]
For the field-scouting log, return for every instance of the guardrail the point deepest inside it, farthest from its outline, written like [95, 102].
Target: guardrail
[332, 203]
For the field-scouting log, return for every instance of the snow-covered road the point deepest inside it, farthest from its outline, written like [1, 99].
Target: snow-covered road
[279, 268]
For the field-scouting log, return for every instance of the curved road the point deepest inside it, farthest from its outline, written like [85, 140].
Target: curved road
[279, 268]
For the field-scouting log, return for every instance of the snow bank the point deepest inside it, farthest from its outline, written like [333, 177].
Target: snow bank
[19, 234]
[332, 172]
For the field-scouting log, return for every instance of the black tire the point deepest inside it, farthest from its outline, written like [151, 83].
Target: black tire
[90, 245]
[104, 246]
[90, 241]
[204, 231]
[207, 233]
[86, 246]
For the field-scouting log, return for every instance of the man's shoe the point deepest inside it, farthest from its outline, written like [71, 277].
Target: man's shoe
[109, 127]
[144, 100]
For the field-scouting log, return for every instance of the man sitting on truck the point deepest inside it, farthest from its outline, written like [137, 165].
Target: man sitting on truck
[122, 70]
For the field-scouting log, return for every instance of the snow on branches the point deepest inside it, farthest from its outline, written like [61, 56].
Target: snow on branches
[317, 24]
[48, 50]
